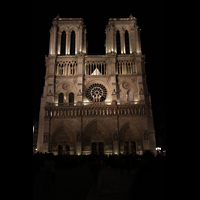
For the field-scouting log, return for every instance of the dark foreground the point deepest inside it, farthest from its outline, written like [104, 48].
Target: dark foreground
[118, 179]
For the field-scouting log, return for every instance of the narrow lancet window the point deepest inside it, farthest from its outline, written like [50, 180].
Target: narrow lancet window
[63, 43]
[118, 43]
[71, 98]
[127, 42]
[61, 98]
[131, 97]
[121, 97]
[72, 49]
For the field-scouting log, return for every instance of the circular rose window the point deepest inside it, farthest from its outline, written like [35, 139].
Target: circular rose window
[97, 93]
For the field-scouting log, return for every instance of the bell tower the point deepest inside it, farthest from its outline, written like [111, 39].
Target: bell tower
[67, 36]
[64, 71]
[123, 36]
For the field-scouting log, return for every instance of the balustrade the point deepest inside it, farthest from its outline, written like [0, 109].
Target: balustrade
[103, 110]
[95, 67]
[126, 66]
[65, 68]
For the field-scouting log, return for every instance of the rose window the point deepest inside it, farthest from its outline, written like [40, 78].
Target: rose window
[97, 93]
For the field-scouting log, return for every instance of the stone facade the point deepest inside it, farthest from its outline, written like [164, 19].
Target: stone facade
[95, 102]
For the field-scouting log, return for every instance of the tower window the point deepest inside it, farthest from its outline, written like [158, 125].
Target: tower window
[63, 43]
[72, 49]
[127, 42]
[131, 96]
[71, 98]
[118, 43]
[61, 98]
[121, 96]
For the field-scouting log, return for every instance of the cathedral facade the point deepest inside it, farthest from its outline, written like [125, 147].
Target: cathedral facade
[95, 103]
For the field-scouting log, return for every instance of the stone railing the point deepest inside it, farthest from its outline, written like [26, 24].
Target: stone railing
[126, 66]
[51, 110]
[96, 66]
[66, 68]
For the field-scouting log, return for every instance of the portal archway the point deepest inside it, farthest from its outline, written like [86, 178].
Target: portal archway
[97, 137]
[63, 141]
[130, 139]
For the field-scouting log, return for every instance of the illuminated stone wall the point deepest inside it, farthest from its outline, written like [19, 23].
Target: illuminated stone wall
[95, 102]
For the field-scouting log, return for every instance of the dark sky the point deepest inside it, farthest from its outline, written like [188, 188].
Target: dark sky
[151, 19]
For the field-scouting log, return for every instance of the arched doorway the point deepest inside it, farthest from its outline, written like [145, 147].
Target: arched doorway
[63, 141]
[97, 138]
[60, 150]
[130, 139]
[101, 148]
[94, 147]
[98, 147]
[133, 147]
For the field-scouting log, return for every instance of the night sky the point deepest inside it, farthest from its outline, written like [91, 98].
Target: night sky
[151, 16]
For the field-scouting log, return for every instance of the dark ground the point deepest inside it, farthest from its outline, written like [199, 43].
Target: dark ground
[145, 180]
[72, 184]
[68, 184]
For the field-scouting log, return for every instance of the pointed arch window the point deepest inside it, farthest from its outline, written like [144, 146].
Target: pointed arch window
[127, 42]
[61, 98]
[73, 41]
[71, 98]
[63, 43]
[121, 97]
[118, 43]
[131, 96]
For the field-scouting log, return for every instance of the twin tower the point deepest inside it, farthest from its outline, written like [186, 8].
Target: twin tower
[68, 36]
[95, 103]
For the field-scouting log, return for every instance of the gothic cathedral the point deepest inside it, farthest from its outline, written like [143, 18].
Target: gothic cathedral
[95, 103]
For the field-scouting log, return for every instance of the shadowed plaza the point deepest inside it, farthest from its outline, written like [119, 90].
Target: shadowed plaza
[118, 178]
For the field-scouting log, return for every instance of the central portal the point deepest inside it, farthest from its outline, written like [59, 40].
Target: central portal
[97, 138]
[98, 148]
[130, 147]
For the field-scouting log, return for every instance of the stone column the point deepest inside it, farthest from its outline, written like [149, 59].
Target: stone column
[68, 43]
[132, 41]
[80, 48]
[59, 43]
[52, 43]
[115, 41]
[85, 42]
[138, 42]
[106, 41]
[76, 42]
[112, 39]
[123, 67]
[78, 145]
[116, 144]
[122, 35]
